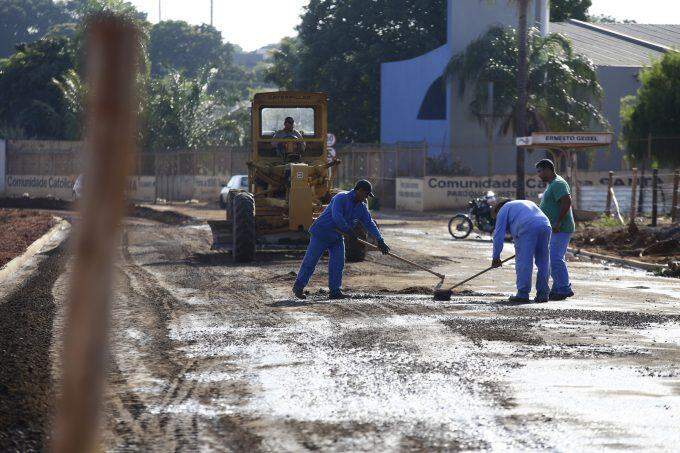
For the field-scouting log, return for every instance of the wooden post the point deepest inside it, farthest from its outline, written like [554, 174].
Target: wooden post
[633, 210]
[112, 53]
[674, 207]
[655, 176]
[610, 185]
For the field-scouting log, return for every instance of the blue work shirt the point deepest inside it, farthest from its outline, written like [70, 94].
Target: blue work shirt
[342, 213]
[514, 217]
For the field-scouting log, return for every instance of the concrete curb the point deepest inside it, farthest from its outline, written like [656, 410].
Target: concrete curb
[21, 268]
[622, 261]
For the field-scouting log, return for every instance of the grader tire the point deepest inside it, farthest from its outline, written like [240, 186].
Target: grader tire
[243, 221]
[354, 251]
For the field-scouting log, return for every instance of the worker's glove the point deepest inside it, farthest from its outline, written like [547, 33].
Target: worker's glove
[496, 262]
[383, 247]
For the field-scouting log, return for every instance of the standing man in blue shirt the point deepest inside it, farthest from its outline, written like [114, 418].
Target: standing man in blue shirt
[342, 213]
[556, 204]
[530, 230]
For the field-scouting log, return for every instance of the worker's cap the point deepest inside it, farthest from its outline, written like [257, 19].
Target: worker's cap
[545, 163]
[289, 119]
[365, 185]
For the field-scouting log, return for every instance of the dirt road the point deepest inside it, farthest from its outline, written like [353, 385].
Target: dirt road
[210, 356]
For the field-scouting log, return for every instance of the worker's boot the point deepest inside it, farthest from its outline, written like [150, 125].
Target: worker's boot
[555, 296]
[518, 300]
[337, 294]
[299, 292]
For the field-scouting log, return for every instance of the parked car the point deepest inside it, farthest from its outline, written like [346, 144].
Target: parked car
[236, 182]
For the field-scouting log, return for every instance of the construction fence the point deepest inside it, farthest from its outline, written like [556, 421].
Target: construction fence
[49, 168]
[404, 176]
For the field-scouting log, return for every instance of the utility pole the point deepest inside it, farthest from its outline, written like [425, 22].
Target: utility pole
[211, 12]
[522, 78]
[159, 10]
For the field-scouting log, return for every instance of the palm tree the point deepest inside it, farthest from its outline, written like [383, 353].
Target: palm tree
[561, 91]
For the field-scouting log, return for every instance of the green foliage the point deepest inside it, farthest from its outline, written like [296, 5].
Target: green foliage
[29, 100]
[176, 46]
[341, 46]
[181, 113]
[561, 10]
[606, 19]
[191, 97]
[286, 60]
[24, 21]
[81, 9]
[655, 110]
[563, 91]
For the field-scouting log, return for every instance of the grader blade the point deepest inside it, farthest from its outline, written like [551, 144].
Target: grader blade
[222, 231]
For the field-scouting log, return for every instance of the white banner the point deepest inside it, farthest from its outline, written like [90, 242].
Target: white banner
[454, 192]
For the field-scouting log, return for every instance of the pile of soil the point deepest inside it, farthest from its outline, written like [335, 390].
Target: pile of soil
[36, 203]
[653, 245]
[19, 229]
[167, 217]
[26, 386]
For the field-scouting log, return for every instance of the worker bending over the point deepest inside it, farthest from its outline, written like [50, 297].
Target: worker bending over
[530, 230]
[342, 213]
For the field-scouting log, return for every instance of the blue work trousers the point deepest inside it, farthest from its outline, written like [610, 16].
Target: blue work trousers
[558, 264]
[532, 246]
[336, 260]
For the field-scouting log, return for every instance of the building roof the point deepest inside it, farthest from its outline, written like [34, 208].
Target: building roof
[615, 46]
[666, 35]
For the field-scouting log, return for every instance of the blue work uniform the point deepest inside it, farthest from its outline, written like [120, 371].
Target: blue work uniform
[559, 242]
[342, 213]
[530, 230]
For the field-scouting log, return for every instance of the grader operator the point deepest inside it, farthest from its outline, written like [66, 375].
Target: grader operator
[289, 179]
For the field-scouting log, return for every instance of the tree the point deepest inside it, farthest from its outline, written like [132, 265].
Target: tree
[562, 88]
[655, 111]
[24, 21]
[29, 99]
[176, 46]
[606, 19]
[286, 60]
[181, 113]
[80, 9]
[561, 10]
[341, 46]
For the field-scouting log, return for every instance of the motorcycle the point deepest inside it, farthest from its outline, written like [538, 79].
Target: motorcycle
[479, 210]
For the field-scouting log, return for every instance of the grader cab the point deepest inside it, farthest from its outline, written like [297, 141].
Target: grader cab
[289, 179]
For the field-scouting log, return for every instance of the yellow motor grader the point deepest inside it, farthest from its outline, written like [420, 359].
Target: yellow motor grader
[289, 179]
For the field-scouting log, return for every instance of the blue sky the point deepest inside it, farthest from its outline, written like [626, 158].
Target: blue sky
[255, 23]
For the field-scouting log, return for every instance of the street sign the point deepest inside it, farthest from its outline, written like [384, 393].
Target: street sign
[331, 154]
[566, 139]
[330, 140]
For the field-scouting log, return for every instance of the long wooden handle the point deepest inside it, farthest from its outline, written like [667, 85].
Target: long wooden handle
[373, 247]
[479, 273]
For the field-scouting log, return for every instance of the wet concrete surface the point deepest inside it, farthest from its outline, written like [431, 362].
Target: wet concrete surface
[212, 356]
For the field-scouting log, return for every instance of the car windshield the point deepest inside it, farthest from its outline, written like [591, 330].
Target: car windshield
[234, 182]
[244, 181]
[273, 117]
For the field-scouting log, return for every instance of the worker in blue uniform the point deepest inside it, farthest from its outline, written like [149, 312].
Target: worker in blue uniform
[341, 214]
[530, 230]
